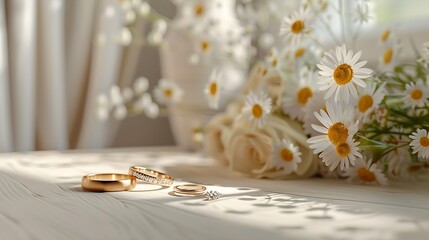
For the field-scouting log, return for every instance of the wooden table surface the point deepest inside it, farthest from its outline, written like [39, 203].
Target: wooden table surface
[41, 198]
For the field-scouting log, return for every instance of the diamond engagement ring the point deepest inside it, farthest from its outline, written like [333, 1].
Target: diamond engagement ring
[212, 195]
[151, 176]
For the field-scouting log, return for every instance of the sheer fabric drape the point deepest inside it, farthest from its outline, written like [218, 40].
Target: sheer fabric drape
[56, 56]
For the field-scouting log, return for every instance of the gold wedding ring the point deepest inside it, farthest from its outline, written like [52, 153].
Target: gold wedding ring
[151, 176]
[108, 182]
[190, 189]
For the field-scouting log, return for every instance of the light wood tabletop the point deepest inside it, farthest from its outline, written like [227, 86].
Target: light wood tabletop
[41, 198]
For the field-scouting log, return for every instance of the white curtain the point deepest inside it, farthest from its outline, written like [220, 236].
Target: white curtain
[56, 56]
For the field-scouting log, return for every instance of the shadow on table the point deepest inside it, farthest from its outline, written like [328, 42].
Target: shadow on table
[284, 200]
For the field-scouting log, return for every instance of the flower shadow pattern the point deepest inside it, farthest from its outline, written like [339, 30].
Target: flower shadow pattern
[43, 193]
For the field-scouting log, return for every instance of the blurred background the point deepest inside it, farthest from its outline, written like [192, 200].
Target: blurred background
[57, 56]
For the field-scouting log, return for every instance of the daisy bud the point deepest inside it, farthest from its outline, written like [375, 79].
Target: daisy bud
[125, 37]
[120, 112]
[141, 85]
[194, 59]
[127, 94]
[130, 17]
[144, 9]
[160, 26]
[115, 95]
[154, 38]
[102, 100]
[152, 111]
[102, 113]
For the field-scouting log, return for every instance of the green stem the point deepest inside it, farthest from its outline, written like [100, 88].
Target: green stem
[384, 132]
[373, 141]
[388, 151]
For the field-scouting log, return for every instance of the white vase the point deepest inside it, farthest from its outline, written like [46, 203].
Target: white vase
[181, 45]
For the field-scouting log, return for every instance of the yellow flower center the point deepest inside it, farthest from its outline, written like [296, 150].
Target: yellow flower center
[365, 102]
[387, 56]
[324, 5]
[424, 141]
[265, 72]
[299, 52]
[343, 74]
[385, 35]
[324, 108]
[168, 92]
[270, 53]
[297, 26]
[303, 95]
[205, 45]
[213, 89]
[343, 150]
[274, 62]
[257, 111]
[338, 133]
[365, 175]
[286, 155]
[199, 9]
[416, 94]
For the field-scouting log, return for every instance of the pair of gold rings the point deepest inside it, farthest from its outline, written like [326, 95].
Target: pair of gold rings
[114, 182]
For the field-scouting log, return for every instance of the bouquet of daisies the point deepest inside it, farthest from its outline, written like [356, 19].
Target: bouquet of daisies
[308, 108]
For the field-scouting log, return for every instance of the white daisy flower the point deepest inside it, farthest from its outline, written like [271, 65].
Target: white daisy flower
[337, 127]
[425, 50]
[212, 89]
[295, 57]
[272, 59]
[298, 95]
[340, 73]
[168, 92]
[315, 104]
[420, 143]
[368, 100]
[379, 115]
[398, 162]
[318, 6]
[296, 26]
[199, 9]
[416, 94]
[273, 53]
[389, 57]
[286, 156]
[140, 85]
[193, 9]
[103, 107]
[386, 35]
[343, 154]
[424, 59]
[204, 45]
[363, 12]
[366, 173]
[256, 108]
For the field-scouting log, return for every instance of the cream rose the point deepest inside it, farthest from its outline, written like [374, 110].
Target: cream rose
[217, 132]
[216, 135]
[249, 150]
